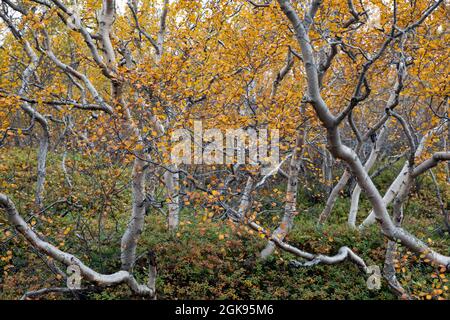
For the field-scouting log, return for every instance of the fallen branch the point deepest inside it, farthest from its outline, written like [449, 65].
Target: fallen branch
[102, 280]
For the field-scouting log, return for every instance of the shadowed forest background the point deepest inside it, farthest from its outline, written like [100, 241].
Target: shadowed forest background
[90, 99]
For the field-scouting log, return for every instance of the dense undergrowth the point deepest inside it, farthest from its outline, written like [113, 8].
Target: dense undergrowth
[208, 258]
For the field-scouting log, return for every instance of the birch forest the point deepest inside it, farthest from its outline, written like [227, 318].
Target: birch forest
[224, 149]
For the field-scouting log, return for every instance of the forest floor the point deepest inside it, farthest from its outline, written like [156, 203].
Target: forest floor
[206, 258]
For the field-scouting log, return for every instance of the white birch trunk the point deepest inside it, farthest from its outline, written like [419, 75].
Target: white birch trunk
[290, 209]
[368, 165]
[136, 224]
[171, 179]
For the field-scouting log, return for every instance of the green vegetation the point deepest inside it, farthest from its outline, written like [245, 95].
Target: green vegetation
[207, 258]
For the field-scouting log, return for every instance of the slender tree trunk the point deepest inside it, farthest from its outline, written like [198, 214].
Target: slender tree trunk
[447, 148]
[136, 224]
[290, 209]
[368, 165]
[338, 188]
[246, 200]
[389, 272]
[172, 183]
[327, 166]
[44, 138]
[41, 167]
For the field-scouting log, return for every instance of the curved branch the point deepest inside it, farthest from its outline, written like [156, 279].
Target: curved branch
[431, 163]
[15, 220]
